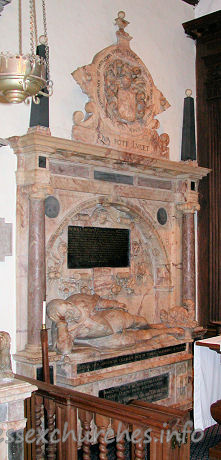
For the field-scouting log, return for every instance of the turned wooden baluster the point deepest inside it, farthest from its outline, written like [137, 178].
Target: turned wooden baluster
[119, 427]
[139, 449]
[102, 424]
[85, 418]
[51, 446]
[38, 427]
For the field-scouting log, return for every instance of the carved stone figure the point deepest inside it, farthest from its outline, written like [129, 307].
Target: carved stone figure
[5, 357]
[94, 321]
[182, 316]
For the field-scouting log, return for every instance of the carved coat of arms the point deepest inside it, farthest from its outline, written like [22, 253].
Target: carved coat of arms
[123, 101]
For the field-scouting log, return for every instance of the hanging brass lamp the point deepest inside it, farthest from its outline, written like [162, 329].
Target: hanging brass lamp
[23, 76]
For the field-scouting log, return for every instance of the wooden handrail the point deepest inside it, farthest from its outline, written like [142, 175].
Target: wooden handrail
[111, 409]
[66, 405]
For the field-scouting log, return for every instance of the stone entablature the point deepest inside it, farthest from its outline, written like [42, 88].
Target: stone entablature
[36, 143]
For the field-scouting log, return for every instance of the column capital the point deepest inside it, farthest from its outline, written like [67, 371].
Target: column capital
[39, 191]
[191, 204]
[188, 208]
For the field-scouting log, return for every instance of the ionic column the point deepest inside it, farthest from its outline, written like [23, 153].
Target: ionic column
[188, 252]
[36, 266]
[188, 245]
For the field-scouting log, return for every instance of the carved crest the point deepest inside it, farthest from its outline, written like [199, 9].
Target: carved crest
[123, 101]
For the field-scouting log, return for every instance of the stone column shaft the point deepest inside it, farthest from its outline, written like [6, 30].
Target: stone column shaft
[36, 268]
[189, 284]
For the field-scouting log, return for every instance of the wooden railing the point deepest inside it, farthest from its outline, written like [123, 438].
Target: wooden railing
[65, 422]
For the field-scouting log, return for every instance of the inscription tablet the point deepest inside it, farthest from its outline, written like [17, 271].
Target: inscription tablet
[152, 389]
[90, 247]
[113, 177]
[130, 358]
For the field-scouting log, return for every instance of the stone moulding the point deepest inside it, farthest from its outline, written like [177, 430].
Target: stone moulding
[66, 149]
[123, 101]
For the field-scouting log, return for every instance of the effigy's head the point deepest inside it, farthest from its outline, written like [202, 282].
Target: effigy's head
[62, 310]
[56, 310]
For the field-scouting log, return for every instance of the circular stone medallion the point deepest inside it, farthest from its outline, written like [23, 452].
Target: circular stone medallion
[162, 216]
[52, 207]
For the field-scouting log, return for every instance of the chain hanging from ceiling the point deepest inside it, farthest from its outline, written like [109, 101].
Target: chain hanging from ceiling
[26, 75]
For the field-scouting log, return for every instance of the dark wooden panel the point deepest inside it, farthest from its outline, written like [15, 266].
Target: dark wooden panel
[207, 33]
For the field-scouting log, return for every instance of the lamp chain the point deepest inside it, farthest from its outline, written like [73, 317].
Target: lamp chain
[46, 39]
[35, 23]
[20, 26]
[33, 27]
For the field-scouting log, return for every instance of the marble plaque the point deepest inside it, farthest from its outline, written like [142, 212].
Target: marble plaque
[152, 389]
[16, 446]
[113, 177]
[41, 377]
[131, 358]
[90, 247]
[162, 216]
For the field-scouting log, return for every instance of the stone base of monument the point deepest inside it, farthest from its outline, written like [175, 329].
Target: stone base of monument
[150, 372]
[29, 363]
[13, 393]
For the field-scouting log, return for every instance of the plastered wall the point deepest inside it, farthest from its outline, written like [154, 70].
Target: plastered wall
[206, 7]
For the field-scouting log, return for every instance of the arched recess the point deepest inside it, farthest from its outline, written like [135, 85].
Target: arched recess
[140, 284]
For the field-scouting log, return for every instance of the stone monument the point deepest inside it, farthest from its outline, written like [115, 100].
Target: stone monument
[126, 323]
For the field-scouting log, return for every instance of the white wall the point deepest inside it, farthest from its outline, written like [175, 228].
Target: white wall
[7, 268]
[206, 7]
[77, 31]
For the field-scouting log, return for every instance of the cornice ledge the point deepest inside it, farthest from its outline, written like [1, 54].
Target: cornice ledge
[69, 150]
[205, 26]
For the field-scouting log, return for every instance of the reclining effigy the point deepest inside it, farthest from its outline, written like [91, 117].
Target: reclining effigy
[102, 323]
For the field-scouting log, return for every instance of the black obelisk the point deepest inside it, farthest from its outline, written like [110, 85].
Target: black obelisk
[40, 112]
[188, 150]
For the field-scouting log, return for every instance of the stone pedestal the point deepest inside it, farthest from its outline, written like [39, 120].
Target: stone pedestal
[12, 395]
[160, 374]
[31, 366]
